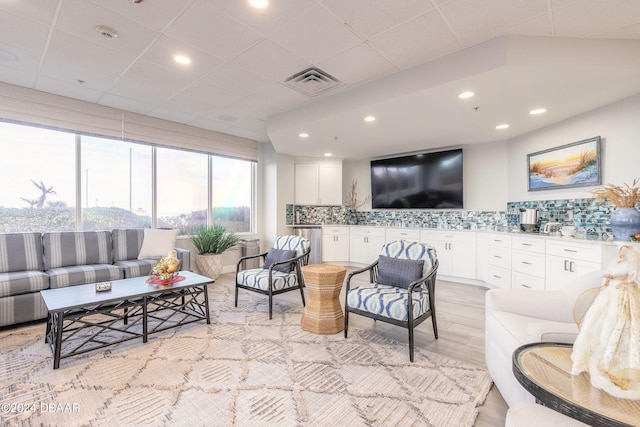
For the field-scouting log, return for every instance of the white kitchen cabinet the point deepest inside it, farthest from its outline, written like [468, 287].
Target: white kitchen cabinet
[318, 183]
[497, 258]
[335, 244]
[456, 251]
[410, 235]
[365, 244]
[566, 261]
[528, 262]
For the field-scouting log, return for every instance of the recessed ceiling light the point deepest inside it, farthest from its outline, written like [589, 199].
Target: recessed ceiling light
[369, 119]
[180, 59]
[259, 4]
[465, 95]
[328, 154]
[303, 135]
[537, 111]
[502, 126]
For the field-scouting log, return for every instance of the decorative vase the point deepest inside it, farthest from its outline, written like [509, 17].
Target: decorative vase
[625, 222]
[210, 265]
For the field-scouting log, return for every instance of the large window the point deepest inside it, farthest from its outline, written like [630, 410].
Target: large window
[56, 181]
[182, 189]
[37, 178]
[116, 185]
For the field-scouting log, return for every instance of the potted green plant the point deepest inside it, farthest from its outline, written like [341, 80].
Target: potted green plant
[211, 242]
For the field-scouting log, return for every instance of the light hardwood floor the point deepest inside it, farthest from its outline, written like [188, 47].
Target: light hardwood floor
[460, 317]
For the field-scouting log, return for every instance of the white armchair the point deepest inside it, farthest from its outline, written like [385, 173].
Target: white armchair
[514, 317]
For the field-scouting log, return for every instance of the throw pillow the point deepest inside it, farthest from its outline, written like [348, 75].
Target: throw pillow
[398, 272]
[157, 243]
[277, 255]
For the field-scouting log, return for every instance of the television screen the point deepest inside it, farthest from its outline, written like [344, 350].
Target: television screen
[429, 180]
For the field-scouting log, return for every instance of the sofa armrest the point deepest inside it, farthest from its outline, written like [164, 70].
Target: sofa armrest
[550, 331]
[546, 305]
[185, 256]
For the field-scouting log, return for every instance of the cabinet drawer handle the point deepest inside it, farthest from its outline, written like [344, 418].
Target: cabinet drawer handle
[526, 263]
[526, 244]
[448, 235]
[497, 256]
[570, 250]
[497, 241]
[525, 286]
[497, 277]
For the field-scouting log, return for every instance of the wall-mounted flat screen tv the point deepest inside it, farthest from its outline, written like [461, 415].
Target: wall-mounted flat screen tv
[420, 181]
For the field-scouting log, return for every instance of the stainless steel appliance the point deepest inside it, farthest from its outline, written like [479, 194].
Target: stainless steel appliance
[530, 220]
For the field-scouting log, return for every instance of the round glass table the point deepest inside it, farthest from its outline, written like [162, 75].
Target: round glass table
[544, 370]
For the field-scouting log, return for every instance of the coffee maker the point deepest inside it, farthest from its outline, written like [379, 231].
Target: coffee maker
[530, 220]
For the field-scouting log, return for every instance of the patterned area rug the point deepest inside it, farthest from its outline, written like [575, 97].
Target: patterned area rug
[242, 370]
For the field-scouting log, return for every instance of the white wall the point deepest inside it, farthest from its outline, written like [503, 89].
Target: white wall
[618, 124]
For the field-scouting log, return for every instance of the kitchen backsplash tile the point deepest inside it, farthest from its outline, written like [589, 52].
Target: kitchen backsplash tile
[591, 215]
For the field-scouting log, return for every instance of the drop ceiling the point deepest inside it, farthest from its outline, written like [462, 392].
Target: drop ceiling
[403, 61]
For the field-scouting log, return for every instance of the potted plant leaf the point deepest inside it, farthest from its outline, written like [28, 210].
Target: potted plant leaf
[211, 242]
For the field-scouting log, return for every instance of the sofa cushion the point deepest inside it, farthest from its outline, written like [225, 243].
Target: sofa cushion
[70, 248]
[136, 267]
[277, 255]
[83, 274]
[126, 243]
[22, 308]
[388, 301]
[398, 272]
[21, 252]
[258, 278]
[157, 243]
[22, 282]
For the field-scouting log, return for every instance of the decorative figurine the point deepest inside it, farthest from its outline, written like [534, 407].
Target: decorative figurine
[608, 345]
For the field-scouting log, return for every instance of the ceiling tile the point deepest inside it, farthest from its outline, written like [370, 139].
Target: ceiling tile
[80, 18]
[209, 122]
[247, 133]
[173, 114]
[156, 14]
[539, 26]
[423, 38]
[372, 17]
[474, 21]
[357, 65]
[577, 19]
[163, 50]
[14, 28]
[147, 81]
[234, 78]
[212, 96]
[255, 125]
[40, 11]
[315, 35]
[212, 31]
[71, 89]
[22, 72]
[270, 61]
[70, 58]
[278, 96]
[630, 32]
[265, 20]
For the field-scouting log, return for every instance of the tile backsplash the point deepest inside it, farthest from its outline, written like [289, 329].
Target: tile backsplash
[592, 215]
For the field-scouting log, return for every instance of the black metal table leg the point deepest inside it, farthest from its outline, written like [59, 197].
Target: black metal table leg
[144, 320]
[206, 304]
[58, 343]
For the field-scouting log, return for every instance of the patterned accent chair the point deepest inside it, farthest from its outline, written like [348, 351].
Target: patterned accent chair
[402, 281]
[281, 272]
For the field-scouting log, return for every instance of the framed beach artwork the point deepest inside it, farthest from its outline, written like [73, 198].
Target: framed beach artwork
[573, 165]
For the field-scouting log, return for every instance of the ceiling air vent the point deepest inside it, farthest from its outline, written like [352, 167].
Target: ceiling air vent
[312, 81]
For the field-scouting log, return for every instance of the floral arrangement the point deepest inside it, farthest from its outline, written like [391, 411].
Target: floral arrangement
[351, 199]
[167, 268]
[621, 196]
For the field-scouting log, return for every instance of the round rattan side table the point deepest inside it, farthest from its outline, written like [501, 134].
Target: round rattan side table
[323, 312]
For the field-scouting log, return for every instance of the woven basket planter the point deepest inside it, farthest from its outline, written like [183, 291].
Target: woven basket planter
[210, 265]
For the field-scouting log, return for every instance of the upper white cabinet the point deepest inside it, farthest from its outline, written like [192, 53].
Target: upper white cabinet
[456, 251]
[318, 183]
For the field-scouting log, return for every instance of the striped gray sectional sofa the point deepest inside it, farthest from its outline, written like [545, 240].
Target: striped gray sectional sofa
[31, 262]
